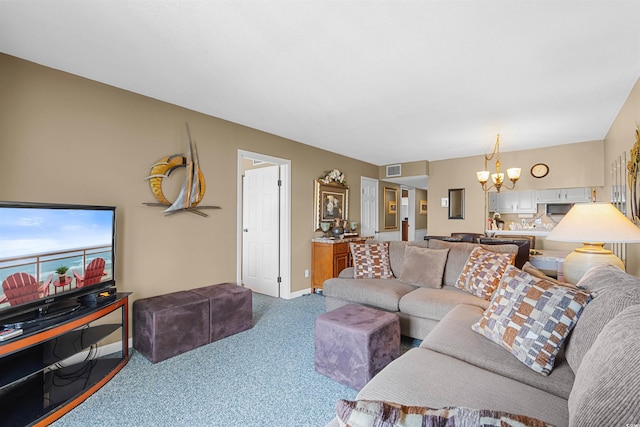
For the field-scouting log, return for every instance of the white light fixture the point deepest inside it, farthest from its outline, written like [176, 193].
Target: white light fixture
[498, 177]
[593, 224]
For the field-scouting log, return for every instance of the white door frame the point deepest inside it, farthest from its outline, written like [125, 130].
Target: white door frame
[285, 218]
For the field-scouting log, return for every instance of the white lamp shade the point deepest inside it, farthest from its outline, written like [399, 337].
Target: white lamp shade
[497, 178]
[595, 222]
[514, 173]
[483, 176]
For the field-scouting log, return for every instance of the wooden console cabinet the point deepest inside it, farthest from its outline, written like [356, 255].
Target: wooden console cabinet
[35, 388]
[328, 259]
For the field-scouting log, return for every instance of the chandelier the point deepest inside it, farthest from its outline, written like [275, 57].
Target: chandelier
[498, 177]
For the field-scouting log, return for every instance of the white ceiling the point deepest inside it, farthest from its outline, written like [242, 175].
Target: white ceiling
[381, 81]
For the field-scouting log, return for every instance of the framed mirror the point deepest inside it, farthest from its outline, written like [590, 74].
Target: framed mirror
[390, 207]
[331, 203]
[456, 203]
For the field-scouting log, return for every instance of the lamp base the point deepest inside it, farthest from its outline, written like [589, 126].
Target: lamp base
[582, 259]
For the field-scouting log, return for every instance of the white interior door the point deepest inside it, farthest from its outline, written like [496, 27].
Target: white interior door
[260, 247]
[369, 207]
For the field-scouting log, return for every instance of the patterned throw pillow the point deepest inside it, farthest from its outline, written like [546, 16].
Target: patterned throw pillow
[482, 272]
[531, 318]
[372, 413]
[371, 260]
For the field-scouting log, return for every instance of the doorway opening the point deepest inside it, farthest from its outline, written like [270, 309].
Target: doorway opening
[408, 213]
[264, 224]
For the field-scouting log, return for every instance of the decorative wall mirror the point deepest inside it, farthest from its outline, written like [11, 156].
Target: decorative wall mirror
[390, 207]
[456, 203]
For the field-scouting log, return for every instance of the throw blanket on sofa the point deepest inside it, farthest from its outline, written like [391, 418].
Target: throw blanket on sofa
[370, 413]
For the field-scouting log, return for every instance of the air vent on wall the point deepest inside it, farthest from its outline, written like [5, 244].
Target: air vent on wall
[394, 170]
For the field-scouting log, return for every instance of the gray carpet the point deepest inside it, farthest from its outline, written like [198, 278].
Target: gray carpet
[260, 377]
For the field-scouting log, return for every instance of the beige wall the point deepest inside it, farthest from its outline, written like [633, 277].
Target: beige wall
[570, 165]
[619, 140]
[417, 168]
[71, 140]
[585, 164]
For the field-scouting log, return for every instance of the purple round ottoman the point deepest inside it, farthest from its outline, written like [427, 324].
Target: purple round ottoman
[353, 343]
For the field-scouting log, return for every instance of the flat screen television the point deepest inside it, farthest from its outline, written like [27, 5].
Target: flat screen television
[36, 240]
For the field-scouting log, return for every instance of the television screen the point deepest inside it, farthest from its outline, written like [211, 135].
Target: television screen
[50, 253]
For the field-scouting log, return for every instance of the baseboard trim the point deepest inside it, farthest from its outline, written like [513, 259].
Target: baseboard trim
[297, 294]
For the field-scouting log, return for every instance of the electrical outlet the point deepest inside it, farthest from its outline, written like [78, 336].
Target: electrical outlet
[306, 272]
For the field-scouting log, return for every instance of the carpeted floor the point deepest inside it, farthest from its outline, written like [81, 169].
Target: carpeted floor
[260, 377]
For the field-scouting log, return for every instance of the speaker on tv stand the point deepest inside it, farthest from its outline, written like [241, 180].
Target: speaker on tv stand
[98, 298]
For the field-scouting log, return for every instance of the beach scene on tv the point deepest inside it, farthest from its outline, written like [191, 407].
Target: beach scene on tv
[44, 252]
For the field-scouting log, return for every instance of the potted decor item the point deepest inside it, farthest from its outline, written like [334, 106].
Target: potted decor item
[62, 273]
[325, 226]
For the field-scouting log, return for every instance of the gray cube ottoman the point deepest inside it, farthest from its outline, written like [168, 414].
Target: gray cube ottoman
[230, 309]
[353, 343]
[167, 325]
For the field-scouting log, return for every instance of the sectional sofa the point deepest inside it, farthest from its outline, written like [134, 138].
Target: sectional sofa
[481, 359]
[421, 300]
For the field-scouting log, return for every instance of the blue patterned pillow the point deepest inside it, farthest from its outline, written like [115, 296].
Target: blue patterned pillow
[531, 317]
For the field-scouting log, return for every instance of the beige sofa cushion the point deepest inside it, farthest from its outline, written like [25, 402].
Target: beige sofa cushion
[434, 304]
[422, 377]
[380, 293]
[423, 266]
[612, 290]
[396, 256]
[453, 336]
[459, 253]
[607, 387]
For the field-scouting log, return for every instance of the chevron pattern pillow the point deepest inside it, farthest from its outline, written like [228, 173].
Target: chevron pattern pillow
[371, 260]
[482, 272]
[531, 318]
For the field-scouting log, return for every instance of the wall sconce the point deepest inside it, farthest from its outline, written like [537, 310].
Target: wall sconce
[498, 177]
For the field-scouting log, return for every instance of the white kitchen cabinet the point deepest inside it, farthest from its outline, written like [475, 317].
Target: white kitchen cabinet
[493, 201]
[577, 195]
[564, 195]
[515, 202]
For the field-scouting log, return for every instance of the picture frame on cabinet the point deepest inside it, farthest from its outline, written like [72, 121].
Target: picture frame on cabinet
[331, 203]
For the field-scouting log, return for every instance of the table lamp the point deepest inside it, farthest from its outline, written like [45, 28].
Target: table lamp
[593, 224]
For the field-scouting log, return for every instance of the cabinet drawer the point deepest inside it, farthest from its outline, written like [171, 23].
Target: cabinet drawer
[340, 248]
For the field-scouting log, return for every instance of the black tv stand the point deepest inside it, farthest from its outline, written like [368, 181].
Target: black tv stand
[30, 370]
[43, 317]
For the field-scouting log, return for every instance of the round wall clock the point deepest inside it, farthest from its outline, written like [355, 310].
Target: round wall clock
[539, 170]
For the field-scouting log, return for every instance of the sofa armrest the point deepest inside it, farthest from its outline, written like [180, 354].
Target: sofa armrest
[347, 273]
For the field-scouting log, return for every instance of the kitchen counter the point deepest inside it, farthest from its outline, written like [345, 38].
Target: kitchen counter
[550, 262]
[520, 232]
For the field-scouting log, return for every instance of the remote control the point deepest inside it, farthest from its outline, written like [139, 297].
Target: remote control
[6, 334]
